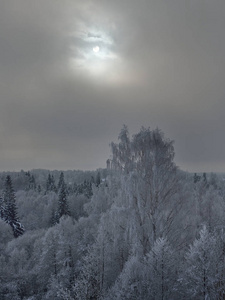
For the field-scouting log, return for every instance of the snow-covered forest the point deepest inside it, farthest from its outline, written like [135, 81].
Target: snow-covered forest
[139, 229]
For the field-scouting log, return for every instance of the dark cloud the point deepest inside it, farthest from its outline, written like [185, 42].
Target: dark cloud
[161, 64]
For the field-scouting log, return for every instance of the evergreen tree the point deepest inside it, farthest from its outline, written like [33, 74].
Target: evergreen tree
[39, 188]
[9, 209]
[98, 179]
[61, 181]
[204, 178]
[196, 178]
[2, 208]
[54, 218]
[63, 209]
[50, 184]
[32, 183]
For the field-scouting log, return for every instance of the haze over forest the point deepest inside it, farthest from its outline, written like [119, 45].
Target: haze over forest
[87, 215]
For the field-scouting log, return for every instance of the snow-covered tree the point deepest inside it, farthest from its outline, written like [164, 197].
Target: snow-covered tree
[21, 272]
[149, 181]
[48, 265]
[50, 184]
[131, 283]
[161, 270]
[88, 284]
[9, 209]
[200, 277]
[6, 234]
[32, 183]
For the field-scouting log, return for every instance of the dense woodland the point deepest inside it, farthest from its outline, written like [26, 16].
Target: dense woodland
[139, 229]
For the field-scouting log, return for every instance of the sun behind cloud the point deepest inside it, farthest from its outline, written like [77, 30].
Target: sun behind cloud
[96, 49]
[93, 51]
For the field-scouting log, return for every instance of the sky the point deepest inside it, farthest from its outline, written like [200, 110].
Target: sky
[160, 64]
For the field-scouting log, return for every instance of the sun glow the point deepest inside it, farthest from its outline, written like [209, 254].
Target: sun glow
[93, 53]
[96, 49]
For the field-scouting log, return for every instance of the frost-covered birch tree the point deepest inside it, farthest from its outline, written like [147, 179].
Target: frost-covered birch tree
[149, 181]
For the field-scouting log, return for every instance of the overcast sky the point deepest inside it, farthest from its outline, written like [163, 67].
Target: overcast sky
[160, 64]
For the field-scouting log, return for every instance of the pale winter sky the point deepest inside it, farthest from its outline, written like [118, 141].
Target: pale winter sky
[159, 63]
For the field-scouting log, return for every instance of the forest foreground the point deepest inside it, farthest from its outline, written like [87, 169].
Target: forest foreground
[139, 229]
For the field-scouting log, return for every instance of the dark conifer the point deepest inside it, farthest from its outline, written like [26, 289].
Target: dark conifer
[98, 179]
[54, 218]
[32, 183]
[196, 178]
[39, 189]
[50, 184]
[9, 209]
[2, 208]
[63, 209]
[61, 181]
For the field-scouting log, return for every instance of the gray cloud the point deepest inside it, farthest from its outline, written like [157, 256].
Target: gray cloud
[161, 64]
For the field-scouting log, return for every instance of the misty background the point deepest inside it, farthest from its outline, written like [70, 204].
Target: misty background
[160, 64]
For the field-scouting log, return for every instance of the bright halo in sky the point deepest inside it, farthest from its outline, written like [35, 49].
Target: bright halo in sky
[96, 49]
[93, 52]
